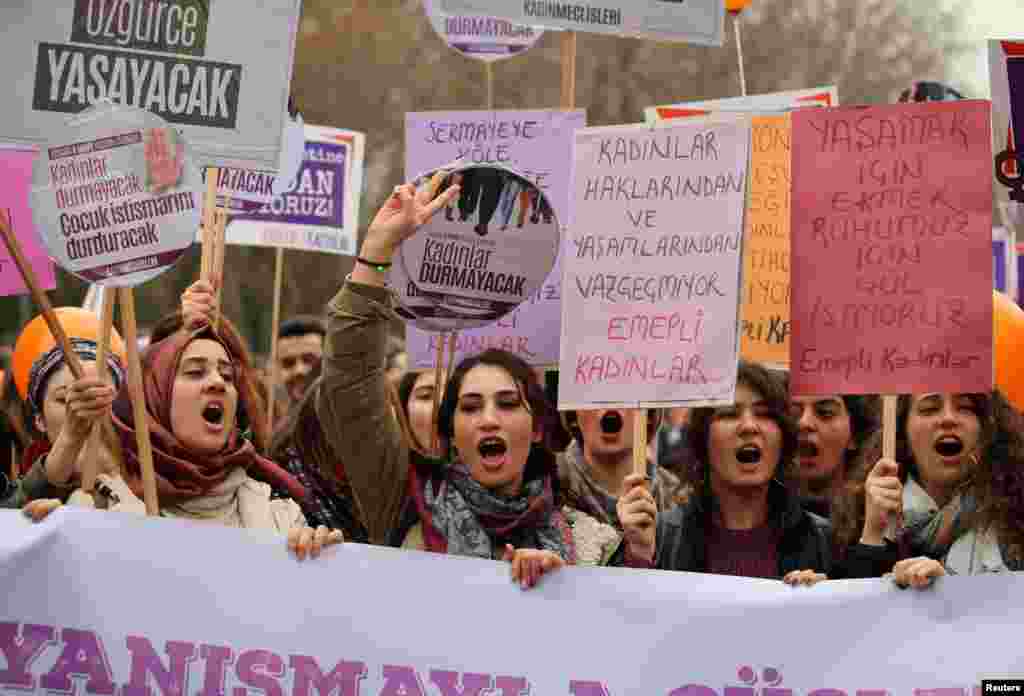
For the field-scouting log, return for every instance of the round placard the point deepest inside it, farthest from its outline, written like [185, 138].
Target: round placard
[483, 38]
[482, 256]
[116, 200]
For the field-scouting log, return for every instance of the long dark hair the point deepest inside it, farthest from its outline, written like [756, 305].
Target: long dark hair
[848, 508]
[772, 389]
[541, 461]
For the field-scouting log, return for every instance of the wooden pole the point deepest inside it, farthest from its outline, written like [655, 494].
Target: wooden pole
[640, 442]
[14, 248]
[50, 317]
[209, 218]
[568, 70]
[138, 397]
[435, 442]
[489, 78]
[274, 322]
[90, 467]
[889, 426]
[739, 52]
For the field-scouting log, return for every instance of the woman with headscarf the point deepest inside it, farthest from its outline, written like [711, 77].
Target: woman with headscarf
[63, 410]
[196, 411]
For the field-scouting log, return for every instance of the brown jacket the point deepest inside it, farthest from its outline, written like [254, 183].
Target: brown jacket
[354, 409]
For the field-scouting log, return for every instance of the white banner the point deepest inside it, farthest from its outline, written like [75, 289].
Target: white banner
[218, 70]
[692, 21]
[103, 604]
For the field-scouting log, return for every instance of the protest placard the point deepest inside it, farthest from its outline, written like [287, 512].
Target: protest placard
[474, 262]
[483, 38]
[693, 21]
[320, 212]
[533, 142]
[764, 314]
[652, 270]
[116, 197]
[187, 61]
[770, 102]
[1006, 75]
[73, 618]
[15, 184]
[891, 266]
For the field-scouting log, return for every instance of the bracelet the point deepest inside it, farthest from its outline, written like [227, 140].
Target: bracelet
[375, 265]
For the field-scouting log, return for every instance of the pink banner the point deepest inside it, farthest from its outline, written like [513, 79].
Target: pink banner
[15, 180]
[892, 249]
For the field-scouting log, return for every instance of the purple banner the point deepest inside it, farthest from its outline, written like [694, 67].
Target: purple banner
[317, 198]
[536, 144]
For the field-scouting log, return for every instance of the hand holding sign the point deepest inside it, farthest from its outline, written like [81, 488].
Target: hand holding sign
[883, 498]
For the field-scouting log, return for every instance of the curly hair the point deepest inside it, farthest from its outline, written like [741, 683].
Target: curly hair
[995, 483]
[772, 389]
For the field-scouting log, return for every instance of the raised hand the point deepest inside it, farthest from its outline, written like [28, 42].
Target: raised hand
[404, 212]
[198, 304]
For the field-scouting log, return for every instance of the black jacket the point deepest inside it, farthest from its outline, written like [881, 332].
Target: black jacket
[805, 543]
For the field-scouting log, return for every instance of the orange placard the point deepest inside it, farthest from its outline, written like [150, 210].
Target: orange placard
[764, 312]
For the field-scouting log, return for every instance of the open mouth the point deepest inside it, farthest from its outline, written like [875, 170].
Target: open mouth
[611, 423]
[949, 446]
[807, 449]
[214, 414]
[492, 450]
[748, 454]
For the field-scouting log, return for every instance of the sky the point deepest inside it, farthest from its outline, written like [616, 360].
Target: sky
[985, 19]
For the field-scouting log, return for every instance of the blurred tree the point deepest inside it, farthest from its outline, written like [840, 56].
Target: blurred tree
[363, 65]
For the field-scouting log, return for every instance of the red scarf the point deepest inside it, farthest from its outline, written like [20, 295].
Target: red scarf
[182, 474]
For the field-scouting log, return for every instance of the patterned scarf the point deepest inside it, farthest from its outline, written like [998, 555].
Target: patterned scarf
[591, 498]
[462, 518]
[51, 361]
[923, 520]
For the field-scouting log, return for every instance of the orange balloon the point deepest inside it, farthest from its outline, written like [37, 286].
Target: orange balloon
[736, 6]
[1008, 344]
[35, 340]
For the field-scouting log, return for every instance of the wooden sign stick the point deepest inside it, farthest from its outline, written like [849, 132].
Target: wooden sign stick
[127, 298]
[739, 52]
[56, 330]
[209, 217]
[889, 426]
[489, 79]
[435, 441]
[640, 442]
[90, 467]
[275, 321]
[568, 70]
[14, 248]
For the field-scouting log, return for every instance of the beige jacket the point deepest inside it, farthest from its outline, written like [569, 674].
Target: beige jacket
[238, 502]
